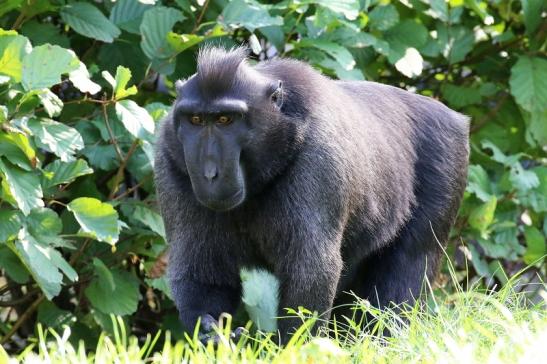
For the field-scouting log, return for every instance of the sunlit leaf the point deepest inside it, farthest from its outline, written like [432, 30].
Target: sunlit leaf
[57, 138]
[45, 263]
[136, 119]
[96, 218]
[249, 14]
[44, 66]
[24, 186]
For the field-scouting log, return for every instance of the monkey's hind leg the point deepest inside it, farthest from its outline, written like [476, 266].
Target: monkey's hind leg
[396, 274]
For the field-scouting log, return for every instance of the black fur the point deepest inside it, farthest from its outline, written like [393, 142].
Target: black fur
[346, 186]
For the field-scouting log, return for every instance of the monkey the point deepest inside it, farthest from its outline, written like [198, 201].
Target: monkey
[332, 186]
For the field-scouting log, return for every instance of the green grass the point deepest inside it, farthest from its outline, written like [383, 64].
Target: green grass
[463, 327]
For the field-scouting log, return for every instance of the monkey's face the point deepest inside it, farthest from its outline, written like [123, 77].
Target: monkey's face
[214, 133]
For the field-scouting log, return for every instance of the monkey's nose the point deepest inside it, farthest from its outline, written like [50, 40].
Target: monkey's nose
[210, 171]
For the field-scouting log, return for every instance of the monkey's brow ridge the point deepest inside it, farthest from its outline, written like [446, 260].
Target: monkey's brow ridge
[214, 106]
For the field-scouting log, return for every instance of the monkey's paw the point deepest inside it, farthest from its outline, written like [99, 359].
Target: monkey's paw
[210, 331]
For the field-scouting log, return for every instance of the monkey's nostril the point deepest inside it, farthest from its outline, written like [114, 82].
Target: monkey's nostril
[210, 171]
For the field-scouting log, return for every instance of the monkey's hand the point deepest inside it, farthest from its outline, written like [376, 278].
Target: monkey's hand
[209, 331]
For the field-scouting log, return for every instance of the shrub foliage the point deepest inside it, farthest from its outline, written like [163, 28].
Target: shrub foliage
[83, 85]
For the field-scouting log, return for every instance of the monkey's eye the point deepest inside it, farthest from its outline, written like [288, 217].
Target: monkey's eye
[224, 120]
[196, 120]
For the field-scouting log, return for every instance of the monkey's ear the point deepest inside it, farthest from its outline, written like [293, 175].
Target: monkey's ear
[178, 85]
[277, 93]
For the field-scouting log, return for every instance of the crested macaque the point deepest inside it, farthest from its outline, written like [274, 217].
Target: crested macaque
[333, 186]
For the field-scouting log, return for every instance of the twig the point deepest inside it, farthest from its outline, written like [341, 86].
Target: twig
[24, 317]
[128, 191]
[111, 134]
[290, 33]
[200, 17]
[482, 121]
[121, 169]
[19, 21]
[79, 252]
[20, 300]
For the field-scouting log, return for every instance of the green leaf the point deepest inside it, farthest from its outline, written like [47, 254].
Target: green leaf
[24, 186]
[499, 156]
[536, 245]
[349, 8]
[408, 33]
[537, 126]
[96, 218]
[156, 23]
[80, 78]
[532, 14]
[383, 17]
[336, 51]
[43, 222]
[460, 96]
[455, 41]
[439, 9]
[13, 48]
[52, 103]
[13, 267]
[341, 73]
[483, 216]
[122, 300]
[151, 219]
[181, 42]
[55, 137]
[136, 119]
[529, 83]
[42, 33]
[8, 5]
[3, 113]
[105, 277]
[16, 148]
[157, 110]
[128, 14]
[123, 75]
[88, 21]
[248, 14]
[44, 66]
[411, 63]
[479, 183]
[58, 172]
[522, 179]
[51, 316]
[101, 156]
[44, 262]
[10, 226]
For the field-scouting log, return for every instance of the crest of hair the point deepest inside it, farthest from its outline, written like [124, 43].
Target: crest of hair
[217, 68]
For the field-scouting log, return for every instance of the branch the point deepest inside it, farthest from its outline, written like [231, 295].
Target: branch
[123, 164]
[111, 134]
[200, 17]
[482, 121]
[24, 317]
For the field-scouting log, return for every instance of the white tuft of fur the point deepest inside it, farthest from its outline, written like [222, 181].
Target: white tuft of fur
[261, 297]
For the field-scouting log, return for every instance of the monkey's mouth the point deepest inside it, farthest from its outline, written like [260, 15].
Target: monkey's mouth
[224, 204]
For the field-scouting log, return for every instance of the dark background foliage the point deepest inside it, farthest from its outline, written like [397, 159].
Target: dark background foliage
[80, 236]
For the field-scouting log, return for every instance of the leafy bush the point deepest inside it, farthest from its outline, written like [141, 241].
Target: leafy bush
[84, 84]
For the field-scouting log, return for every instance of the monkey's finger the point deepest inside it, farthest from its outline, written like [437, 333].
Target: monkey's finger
[238, 333]
[208, 323]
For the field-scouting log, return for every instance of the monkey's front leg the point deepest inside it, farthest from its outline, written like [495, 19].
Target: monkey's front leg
[309, 281]
[197, 300]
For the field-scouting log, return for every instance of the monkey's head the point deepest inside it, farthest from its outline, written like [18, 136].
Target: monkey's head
[226, 117]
